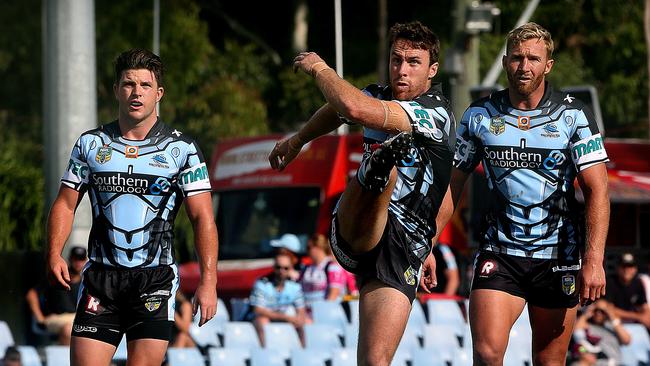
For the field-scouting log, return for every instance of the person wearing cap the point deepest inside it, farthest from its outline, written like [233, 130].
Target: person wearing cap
[598, 336]
[277, 298]
[626, 292]
[289, 244]
[54, 308]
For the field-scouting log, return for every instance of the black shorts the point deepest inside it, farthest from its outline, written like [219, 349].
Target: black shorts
[391, 262]
[115, 301]
[541, 282]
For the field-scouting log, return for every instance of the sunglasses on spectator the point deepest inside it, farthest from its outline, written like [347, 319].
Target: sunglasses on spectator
[282, 267]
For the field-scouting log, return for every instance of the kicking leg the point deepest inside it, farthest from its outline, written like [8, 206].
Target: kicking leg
[363, 209]
[146, 352]
[384, 312]
[552, 330]
[492, 314]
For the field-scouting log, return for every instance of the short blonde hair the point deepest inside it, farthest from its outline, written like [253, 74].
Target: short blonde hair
[530, 31]
[321, 241]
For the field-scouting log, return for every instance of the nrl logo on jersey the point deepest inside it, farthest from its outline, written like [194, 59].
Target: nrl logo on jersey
[497, 125]
[104, 154]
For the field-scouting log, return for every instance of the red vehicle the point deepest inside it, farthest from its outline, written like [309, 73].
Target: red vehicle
[255, 204]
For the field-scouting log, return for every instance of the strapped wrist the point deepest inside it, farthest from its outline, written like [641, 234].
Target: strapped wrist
[318, 67]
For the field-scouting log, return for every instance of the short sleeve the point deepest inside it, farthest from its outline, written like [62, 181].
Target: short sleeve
[586, 143]
[335, 276]
[299, 299]
[77, 174]
[194, 178]
[467, 153]
[258, 296]
[430, 119]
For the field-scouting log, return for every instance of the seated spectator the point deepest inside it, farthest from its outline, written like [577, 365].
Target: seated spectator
[182, 321]
[289, 244]
[626, 292]
[277, 298]
[446, 270]
[12, 357]
[598, 336]
[54, 308]
[324, 279]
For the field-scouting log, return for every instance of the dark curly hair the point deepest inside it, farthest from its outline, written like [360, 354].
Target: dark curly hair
[419, 36]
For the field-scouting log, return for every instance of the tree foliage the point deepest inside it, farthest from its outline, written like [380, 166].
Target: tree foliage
[220, 84]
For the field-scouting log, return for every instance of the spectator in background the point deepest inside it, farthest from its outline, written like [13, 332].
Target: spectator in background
[54, 308]
[626, 292]
[598, 336]
[12, 357]
[277, 298]
[182, 321]
[446, 270]
[289, 244]
[324, 279]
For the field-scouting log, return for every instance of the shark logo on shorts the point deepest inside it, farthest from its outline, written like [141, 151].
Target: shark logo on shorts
[410, 275]
[153, 303]
[568, 284]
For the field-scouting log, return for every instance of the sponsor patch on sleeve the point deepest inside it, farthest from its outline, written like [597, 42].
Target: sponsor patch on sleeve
[76, 174]
[194, 180]
[423, 120]
[588, 152]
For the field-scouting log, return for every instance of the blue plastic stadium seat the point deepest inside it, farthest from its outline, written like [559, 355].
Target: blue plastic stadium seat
[281, 337]
[321, 336]
[329, 312]
[310, 357]
[57, 356]
[344, 357]
[639, 348]
[267, 357]
[427, 357]
[29, 356]
[184, 357]
[6, 338]
[240, 335]
[228, 356]
[121, 351]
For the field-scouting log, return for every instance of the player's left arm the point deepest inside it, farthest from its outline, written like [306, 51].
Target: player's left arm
[593, 182]
[351, 102]
[199, 211]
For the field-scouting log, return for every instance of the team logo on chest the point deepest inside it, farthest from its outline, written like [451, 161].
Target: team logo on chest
[568, 284]
[523, 122]
[131, 152]
[104, 154]
[497, 125]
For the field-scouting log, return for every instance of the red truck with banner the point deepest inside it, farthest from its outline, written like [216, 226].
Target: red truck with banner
[254, 204]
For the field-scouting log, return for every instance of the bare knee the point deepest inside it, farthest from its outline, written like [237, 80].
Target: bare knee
[487, 354]
[374, 358]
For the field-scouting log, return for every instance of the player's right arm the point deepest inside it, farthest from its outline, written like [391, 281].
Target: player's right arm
[59, 226]
[59, 222]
